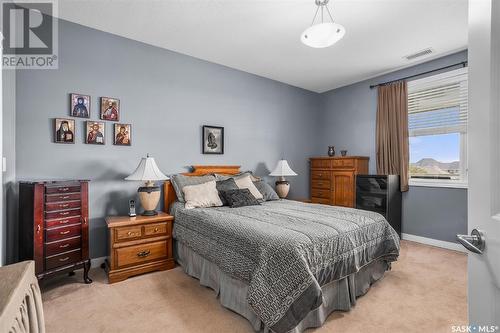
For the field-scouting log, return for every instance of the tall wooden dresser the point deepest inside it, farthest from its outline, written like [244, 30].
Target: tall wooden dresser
[53, 226]
[333, 179]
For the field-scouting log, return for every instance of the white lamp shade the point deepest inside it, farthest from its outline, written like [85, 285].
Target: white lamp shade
[147, 170]
[322, 35]
[282, 169]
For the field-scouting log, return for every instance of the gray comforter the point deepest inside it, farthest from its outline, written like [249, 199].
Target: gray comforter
[286, 250]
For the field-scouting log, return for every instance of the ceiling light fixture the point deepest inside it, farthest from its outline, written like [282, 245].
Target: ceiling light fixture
[322, 34]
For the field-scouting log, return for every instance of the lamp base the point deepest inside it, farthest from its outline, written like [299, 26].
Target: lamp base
[149, 197]
[149, 213]
[282, 188]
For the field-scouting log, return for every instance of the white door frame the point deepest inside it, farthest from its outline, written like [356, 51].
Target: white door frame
[484, 163]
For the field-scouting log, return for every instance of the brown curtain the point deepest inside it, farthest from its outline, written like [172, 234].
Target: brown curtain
[392, 131]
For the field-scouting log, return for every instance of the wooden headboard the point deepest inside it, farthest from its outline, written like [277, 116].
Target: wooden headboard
[169, 195]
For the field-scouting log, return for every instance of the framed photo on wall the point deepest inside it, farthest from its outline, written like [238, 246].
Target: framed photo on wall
[64, 130]
[79, 105]
[123, 134]
[213, 140]
[110, 108]
[94, 133]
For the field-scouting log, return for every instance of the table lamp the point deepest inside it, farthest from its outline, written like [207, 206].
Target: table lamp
[149, 195]
[282, 186]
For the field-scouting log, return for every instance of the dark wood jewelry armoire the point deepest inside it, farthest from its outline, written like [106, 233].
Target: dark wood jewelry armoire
[54, 226]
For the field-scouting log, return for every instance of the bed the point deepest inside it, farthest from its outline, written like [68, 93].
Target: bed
[284, 265]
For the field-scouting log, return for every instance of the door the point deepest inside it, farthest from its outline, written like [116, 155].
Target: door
[343, 188]
[484, 163]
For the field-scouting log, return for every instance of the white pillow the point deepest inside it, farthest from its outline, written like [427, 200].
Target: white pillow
[202, 195]
[246, 182]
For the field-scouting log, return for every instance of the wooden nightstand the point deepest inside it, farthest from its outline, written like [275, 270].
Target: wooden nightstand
[138, 245]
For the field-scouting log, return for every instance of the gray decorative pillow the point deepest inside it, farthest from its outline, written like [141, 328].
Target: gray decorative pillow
[225, 185]
[179, 181]
[267, 191]
[240, 198]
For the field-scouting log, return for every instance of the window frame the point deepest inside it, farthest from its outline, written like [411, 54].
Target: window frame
[463, 182]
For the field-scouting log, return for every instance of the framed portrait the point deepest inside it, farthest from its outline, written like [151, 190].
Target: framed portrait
[94, 133]
[79, 105]
[123, 135]
[110, 108]
[213, 140]
[64, 130]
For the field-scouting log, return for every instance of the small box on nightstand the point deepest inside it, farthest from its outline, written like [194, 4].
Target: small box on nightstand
[139, 245]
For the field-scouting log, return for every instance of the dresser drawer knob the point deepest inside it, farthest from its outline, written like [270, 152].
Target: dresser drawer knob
[64, 246]
[64, 259]
[64, 213]
[63, 205]
[65, 197]
[63, 221]
[144, 254]
[64, 189]
[130, 233]
[64, 232]
[156, 229]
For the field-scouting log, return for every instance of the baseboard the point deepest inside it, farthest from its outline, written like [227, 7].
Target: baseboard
[97, 262]
[434, 242]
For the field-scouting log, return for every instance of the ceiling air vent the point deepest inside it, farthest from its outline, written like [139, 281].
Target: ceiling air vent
[419, 54]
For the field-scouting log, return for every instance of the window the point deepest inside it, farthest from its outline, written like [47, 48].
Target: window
[437, 126]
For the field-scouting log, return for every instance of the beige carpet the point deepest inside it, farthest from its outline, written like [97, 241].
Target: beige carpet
[424, 292]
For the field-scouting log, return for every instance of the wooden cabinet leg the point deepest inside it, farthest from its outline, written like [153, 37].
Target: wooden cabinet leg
[86, 268]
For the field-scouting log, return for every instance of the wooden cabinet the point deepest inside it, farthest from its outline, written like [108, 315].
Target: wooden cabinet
[138, 245]
[333, 179]
[53, 226]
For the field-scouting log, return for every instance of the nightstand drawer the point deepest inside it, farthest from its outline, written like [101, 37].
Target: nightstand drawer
[62, 246]
[140, 253]
[157, 229]
[127, 233]
[63, 259]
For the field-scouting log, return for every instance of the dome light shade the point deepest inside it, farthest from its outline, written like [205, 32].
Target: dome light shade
[322, 35]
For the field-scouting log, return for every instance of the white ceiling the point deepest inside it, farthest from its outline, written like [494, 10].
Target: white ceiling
[263, 36]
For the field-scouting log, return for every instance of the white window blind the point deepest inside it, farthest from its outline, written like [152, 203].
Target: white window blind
[438, 104]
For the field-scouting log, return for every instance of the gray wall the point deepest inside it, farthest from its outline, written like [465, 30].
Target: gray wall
[348, 119]
[166, 97]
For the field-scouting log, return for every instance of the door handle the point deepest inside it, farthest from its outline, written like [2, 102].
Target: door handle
[474, 243]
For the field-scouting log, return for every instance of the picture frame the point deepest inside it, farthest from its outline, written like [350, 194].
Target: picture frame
[110, 109]
[212, 139]
[122, 135]
[79, 105]
[64, 130]
[95, 132]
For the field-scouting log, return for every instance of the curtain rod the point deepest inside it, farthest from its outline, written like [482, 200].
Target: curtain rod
[463, 64]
